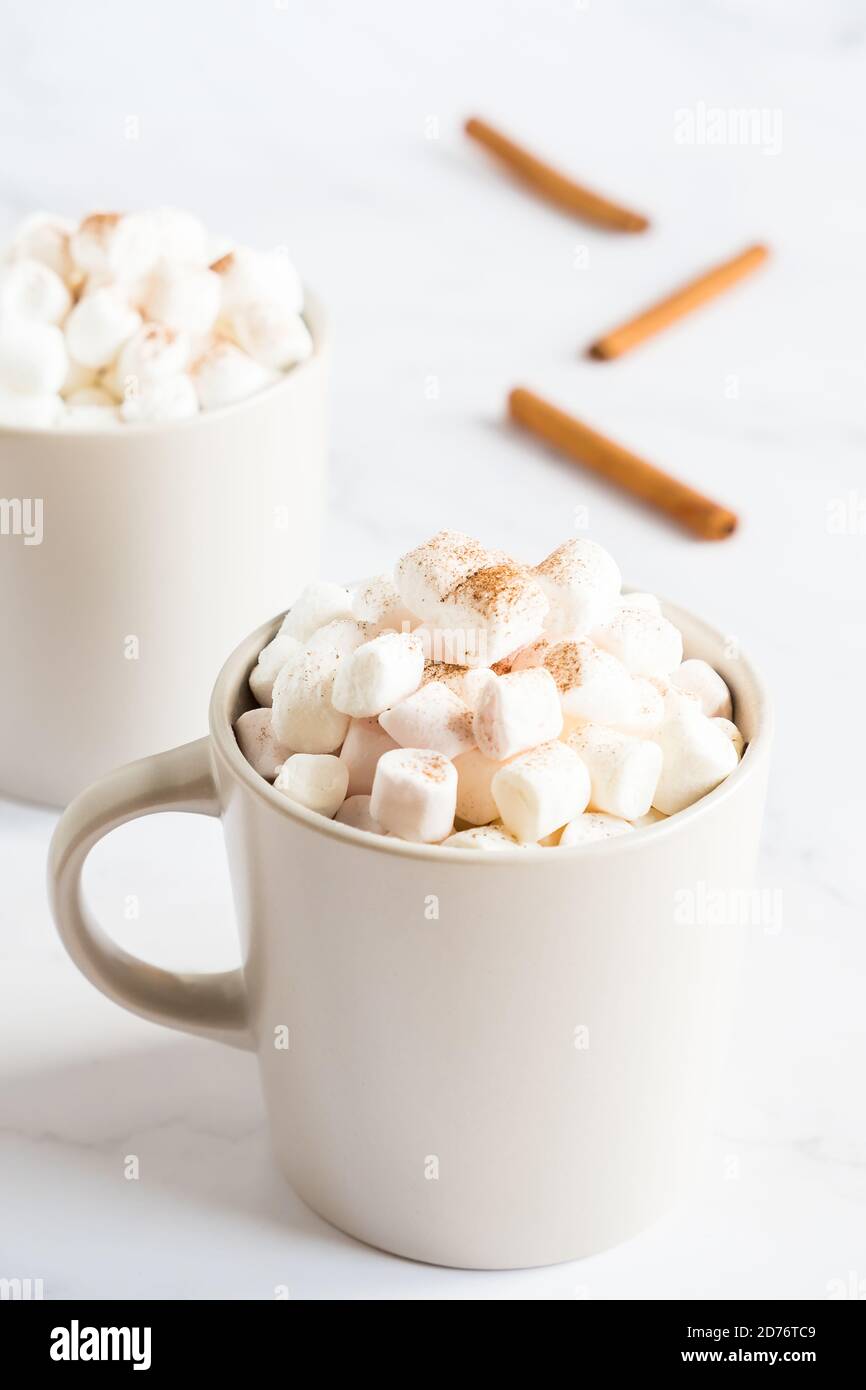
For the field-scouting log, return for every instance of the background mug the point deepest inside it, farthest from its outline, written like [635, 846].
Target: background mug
[493, 1060]
[161, 545]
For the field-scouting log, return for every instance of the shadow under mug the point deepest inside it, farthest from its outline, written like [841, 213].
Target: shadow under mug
[472, 1059]
[160, 546]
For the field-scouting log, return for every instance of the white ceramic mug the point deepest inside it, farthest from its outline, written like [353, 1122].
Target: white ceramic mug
[161, 545]
[493, 1060]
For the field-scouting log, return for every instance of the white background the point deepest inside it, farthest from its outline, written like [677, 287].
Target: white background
[310, 125]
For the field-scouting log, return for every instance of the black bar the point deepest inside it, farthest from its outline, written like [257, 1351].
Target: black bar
[248, 1337]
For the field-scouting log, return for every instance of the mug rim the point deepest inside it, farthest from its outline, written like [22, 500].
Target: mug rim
[227, 698]
[316, 320]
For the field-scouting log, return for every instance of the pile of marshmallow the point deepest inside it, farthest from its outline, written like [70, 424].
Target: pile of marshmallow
[475, 702]
[132, 318]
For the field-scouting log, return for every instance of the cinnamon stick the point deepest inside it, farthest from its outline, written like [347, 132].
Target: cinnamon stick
[700, 515]
[688, 297]
[553, 185]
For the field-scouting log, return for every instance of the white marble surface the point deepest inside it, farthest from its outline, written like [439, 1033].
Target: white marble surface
[308, 125]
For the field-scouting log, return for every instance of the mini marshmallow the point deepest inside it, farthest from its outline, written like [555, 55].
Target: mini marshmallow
[582, 584]
[427, 575]
[541, 790]
[256, 741]
[698, 678]
[475, 774]
[532, 654]
[516, 712]
[272, 659]
[652, 817]
[98, 327]
[484, 837]
[224, 374]
[432, 717]
[342, 636]
[473, 684]
[648, 713]
[414, 794]
[151, 354]
[379, 674]
[495, 610]
[45, 237]
[315, 780]
[91, 244]
[185, 298]
[317, 604]
[592, 826]
[32, 291]
[178, 236]
[646, 643]
[466, 681]
[377, 601]
[169, 398]
[363, 746]
[355, 811]
[91, 408]
[446, 674]
[697, 754]
[271, 334]
[592, 684]
[29, 412]
[732, 732]
[258, 277]
[623, 771]
[86, 418]
[33, 359]
[304, 716]
[114, 244]
[674, 698]
[639, 600]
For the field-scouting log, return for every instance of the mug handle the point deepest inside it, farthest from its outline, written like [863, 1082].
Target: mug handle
[210, 1006]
